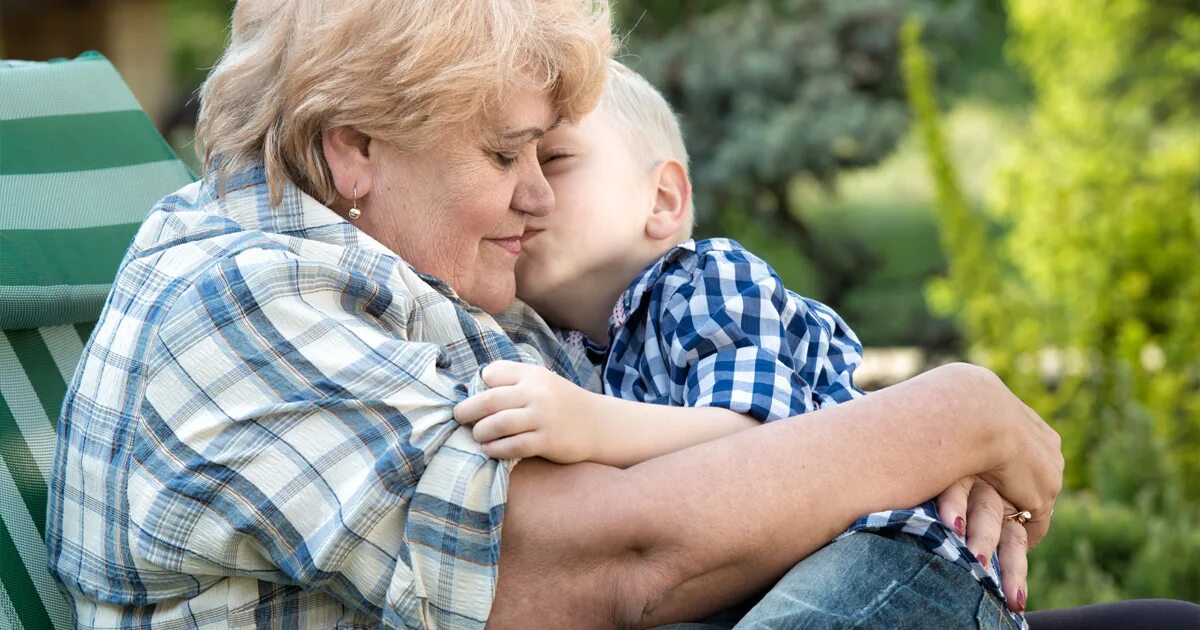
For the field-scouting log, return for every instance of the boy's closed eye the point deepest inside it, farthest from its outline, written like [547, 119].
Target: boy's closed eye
[554, 155]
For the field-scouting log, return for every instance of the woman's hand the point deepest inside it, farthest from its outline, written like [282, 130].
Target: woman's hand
[1029, 469]
[529, 411]
[1028, 478]
[976, 512]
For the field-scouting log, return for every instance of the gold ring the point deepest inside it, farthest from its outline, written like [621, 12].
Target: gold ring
[1020, 517]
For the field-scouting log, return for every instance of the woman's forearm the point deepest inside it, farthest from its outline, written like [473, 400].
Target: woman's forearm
[787, 488]
[632, 432]
[681, 535]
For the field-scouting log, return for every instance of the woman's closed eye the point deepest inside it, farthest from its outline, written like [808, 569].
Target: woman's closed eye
[505, 160]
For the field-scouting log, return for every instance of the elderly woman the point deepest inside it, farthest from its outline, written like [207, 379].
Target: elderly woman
[260, 432]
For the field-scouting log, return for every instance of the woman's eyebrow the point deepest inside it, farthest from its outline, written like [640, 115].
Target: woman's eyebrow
[522, 134]
[530, 133]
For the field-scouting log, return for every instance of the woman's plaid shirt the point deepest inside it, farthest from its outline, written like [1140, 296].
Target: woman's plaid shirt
[711, 324]
[260, 432]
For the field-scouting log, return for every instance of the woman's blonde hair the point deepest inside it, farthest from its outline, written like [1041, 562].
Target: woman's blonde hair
[406, 72]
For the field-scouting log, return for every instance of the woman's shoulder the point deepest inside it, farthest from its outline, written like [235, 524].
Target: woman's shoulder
[193, 244]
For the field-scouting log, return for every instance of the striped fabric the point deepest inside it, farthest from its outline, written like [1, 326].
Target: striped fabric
[35, 367]
[80, 165]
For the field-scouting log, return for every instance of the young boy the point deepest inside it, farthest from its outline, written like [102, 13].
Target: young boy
[704, 329]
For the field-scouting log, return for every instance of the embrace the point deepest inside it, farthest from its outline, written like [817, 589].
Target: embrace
[430, 346]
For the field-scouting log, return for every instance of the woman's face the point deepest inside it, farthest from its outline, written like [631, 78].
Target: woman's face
[457, 211]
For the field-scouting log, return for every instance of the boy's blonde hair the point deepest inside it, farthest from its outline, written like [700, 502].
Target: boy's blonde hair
[408, 73]
[647, 121]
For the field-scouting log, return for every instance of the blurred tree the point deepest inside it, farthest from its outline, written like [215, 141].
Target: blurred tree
[199, 29]
[1090, 302]
[1080, 285]
[1103, 196]
[771, 92]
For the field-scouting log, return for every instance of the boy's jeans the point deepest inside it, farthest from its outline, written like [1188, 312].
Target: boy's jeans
[866, 580]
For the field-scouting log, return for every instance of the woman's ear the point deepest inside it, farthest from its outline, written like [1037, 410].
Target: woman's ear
[672, 201]
[347, 152]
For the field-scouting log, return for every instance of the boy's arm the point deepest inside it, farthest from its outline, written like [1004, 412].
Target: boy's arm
[529, 411]
[733, 341]
[630, 432]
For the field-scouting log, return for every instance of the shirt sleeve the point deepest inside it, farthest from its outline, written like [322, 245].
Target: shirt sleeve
[291, 432]
[734, 337]
[837, 355]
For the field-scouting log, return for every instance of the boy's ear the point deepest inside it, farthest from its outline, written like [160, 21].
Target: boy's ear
[347, 152]
[672, 198]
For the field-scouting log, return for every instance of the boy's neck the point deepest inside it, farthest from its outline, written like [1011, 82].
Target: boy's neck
[587, 305]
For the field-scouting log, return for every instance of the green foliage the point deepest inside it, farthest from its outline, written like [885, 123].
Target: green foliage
[965, 235]
[1104, 210]
[887, 308]
[1087, 302]
[774, 91]
[802, 87]
[1080, 284]
[197, 31]
[1103, 551]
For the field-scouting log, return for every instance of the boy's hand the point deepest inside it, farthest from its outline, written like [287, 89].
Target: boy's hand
[529, 411]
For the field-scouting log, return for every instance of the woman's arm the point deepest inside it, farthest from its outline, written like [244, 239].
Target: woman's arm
[691, 532]
[292, 433]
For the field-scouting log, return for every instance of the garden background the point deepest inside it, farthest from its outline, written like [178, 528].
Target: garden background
[1012, 183]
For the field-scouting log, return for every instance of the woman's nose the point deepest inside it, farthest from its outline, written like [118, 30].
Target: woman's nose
[533, 194]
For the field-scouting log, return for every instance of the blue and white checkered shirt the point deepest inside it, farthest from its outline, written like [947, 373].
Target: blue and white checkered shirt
[260, 432]
[711, 324]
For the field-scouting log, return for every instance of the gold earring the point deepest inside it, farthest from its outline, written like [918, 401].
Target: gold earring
[354, 211]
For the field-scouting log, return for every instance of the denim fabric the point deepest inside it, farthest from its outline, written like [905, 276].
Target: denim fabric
[868, 580]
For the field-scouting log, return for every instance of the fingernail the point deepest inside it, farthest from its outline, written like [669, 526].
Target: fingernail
[1021, 600]
[960, 526]
[982, 559]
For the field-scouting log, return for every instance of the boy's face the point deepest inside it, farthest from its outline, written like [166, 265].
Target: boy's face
[603, 196]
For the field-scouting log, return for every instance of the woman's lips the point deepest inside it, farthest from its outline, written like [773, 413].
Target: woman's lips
[529, 234]
[511, 244]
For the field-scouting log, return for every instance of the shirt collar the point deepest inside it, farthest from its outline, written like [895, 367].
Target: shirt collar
[644, 283]
[631, 300]
[245, 200]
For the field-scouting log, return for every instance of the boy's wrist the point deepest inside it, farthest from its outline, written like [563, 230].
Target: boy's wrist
[595, 410]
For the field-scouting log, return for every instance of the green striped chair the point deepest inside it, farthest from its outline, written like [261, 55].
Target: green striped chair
[80, 166]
